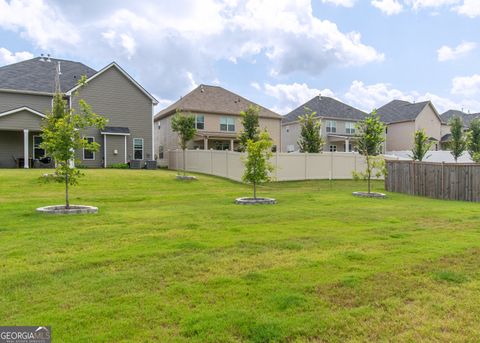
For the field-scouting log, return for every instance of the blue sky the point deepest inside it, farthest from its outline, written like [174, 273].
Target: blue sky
[277, 53]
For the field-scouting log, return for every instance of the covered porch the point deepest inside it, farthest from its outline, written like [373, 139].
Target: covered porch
[341, 143]
[20, 139]
[216, 141]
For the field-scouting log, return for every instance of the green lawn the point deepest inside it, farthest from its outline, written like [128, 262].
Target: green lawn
[166, 260]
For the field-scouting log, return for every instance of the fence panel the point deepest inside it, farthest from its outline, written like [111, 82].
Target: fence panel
[450, 181]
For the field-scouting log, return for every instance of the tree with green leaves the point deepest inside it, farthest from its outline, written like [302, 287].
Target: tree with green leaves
[250, 123]
[371, 135]
[62, 136]
[473, 140]
[458, 142]
[184, 125]
[421, 145]
[310, 138]
[257, 162]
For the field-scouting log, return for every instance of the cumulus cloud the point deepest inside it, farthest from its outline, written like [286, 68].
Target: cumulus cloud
[290, 96]
[344, 3]
[419, 4]
[167, 44]
[469, 8]
[446, 53]
[368, 97]
[8, 57]
[466, 85]
[389, 7]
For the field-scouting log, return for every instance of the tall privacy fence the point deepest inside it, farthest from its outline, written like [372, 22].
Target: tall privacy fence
[451, 181]
[288, 167]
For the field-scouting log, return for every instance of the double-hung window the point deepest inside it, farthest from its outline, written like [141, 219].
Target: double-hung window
[331, 126]
[200, 122]
[37, 151]
[350, 128]
[227, 124]
[89, 154]
[138, 148]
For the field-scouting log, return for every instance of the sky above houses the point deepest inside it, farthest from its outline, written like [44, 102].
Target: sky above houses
[277, 53]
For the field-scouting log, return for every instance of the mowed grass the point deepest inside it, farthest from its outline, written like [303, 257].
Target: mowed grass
[168, 261]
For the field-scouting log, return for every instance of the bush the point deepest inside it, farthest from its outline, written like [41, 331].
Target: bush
[118, 166]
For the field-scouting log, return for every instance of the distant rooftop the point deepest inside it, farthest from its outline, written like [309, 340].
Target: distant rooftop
[400, 110]
[326, 107]
[38, 74]
[466, 117]
[215, 100]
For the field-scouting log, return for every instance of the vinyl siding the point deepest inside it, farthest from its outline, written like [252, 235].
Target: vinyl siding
[115, 97]
[116, 143]
[10, 101]
[21, 120]
[11, 147]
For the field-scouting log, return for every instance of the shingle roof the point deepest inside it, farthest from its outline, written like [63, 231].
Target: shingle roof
[39, 76]
[215, 100]
[326, 107]
[400, 110]
[466, 117]
[116, 129]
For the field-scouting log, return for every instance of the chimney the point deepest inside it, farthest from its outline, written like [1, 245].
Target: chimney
[41, 58]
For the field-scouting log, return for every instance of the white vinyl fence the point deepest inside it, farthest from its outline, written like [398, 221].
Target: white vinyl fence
[288, 166]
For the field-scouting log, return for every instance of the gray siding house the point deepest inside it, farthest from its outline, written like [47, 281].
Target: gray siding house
[338, 124]
[26, 91]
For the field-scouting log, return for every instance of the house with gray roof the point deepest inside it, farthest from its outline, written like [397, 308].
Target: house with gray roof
[26, 93]
[338, 124]
[466, 118]
[217, 120]
[403, 118]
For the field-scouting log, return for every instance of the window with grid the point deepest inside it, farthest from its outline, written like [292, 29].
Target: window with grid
[138, 148]
[200, 122]
[227, 124]
[89, 154]
[37, 151]
[333, 148]
[331, 126]
[350, 128]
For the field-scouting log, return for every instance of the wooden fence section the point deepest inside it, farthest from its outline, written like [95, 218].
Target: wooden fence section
[449, 181]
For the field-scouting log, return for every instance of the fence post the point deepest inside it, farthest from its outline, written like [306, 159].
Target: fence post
[276, 165]
[306, 158]
[226, 160]
[443, 178]
[211, 161]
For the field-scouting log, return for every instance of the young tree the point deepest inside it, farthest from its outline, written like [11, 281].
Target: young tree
[257, 162]
[371, 136]
[310, 139]
[250, 124]
[421, 145]
[184, 125]
[458, 143]
[61, 134]
[473, 140]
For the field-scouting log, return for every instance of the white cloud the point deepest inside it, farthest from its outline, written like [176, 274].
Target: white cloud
[290, 96]
[256, 85]
[446, 53]
[466, 85]
[389, 7]
[419, 4]
[8, 57]
[469, 8]
[344, 3]
[39, 22]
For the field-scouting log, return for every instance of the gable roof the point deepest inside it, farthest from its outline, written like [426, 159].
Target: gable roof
[215, 100]
[35, 75]
[326, 107]
[114, 65]
[466, 117]
[23, 108]
[400, 110]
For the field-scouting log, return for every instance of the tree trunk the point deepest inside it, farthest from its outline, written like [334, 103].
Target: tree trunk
[184, 166]
[255, 190]
[67, 202]
[369, 174]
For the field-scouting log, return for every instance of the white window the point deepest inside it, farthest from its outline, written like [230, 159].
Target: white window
[333, 148]
[37, 151]
[200, 122]
[350, 128]
[89, 154]
[227, 124]
[331, 126]
[138, 148]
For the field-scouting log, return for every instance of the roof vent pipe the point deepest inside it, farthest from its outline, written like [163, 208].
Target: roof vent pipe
[48, 58]
[201, 89]
[41, 58]
[319, 96]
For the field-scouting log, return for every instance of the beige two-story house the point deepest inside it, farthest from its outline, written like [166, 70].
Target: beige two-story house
[338, 121]
[26, 93]
[403, 118]
[217, 120]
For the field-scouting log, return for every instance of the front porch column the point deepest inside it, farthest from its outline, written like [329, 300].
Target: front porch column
[347, 145]
[205, 143]
[231, 144]
[26, 160]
